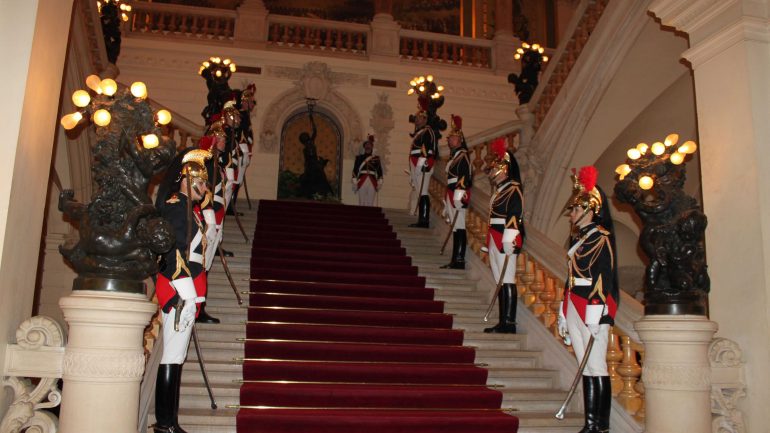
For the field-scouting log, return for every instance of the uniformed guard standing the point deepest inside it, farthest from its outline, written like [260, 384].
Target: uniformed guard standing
[458, 190]
[422, 155]
[367, 174]
[181, 283]
[505, 234]
[590, 294]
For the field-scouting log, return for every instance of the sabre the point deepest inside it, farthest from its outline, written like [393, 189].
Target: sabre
[581, 367]
[454, 221]
[246, 190]
[229, 276]
[497, 290]
[203, 367]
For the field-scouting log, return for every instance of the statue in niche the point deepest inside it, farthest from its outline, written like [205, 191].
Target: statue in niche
[676, 280]
[312, 182]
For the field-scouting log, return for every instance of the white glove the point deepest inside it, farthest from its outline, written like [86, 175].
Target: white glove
[188, 315]
[458, 198]
[562, 326]
[420, 163]
[185, 288]
[380, 182]
[509, 237]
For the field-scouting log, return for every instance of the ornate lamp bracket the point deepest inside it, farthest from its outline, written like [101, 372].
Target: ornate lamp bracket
[38, 353]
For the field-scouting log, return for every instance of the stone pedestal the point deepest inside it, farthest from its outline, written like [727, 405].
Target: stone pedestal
[251, 25]
[103, 360]
[677, 373]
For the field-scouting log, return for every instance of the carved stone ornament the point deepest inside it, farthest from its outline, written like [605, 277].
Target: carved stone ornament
[382, 123]
[727, 418]
[314, 81]
[101, 364]
[677, 377]
[26, 410]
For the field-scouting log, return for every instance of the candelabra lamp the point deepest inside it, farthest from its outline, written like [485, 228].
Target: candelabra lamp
[111, 14]
[120, 231]
[429, 99]
[652, 180]
[532, 59]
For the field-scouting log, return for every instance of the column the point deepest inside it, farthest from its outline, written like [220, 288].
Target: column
[505, 43]
[731, 62]
[103, 361]
[34, 35]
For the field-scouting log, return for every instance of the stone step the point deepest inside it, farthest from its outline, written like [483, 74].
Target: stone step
[528, 378]
[539, 400]
[509, 358]
[544, 422]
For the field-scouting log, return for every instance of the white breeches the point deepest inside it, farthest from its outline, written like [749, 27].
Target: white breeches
[416, 175]
[367, 193]
[579, 333]
[496, 262]
[449, 212]
[175, 343]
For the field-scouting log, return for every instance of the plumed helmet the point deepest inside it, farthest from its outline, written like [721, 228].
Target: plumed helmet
[502, 159]
[455, 126]
[194, 164]
[585, 193]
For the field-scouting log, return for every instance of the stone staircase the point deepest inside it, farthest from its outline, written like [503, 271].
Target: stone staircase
[533, 391]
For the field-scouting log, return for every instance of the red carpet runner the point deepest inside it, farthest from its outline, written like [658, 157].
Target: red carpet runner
[347, 339]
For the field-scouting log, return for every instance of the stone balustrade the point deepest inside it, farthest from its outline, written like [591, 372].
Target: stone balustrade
[318, 35]
[186, 22]
[445, 49]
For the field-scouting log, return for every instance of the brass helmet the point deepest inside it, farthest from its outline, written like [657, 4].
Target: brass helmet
[585, 194]
[217, 129]
[231, 115]
[501, 159]
[456, 127]
[194, 164]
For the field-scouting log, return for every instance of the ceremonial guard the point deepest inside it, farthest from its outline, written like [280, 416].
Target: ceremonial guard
[181, 282]
[367, 174]
[422, 156]
[244, 136]
[458, 191]
[590, 294]
[505, 235]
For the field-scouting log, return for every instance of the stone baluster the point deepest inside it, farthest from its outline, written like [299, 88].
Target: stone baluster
[527, 278]
[535, 289]
[614, 356]
[554, 306]
[547, 296]
[629, 371]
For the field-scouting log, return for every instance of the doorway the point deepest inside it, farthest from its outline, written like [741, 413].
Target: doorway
[303, 178]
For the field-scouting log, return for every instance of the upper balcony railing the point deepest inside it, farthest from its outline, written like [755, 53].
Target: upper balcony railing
[317, 36]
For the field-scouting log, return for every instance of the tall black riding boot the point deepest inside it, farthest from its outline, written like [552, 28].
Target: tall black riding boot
[590, 404]
[204, 317]
[604, 396]
[458, 257]
[166, 391]
[177, 428]
[506, 301]
[455, 244]
[423, 210]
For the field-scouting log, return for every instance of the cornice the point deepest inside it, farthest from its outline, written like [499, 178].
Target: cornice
[747, 29]
[689, 15]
